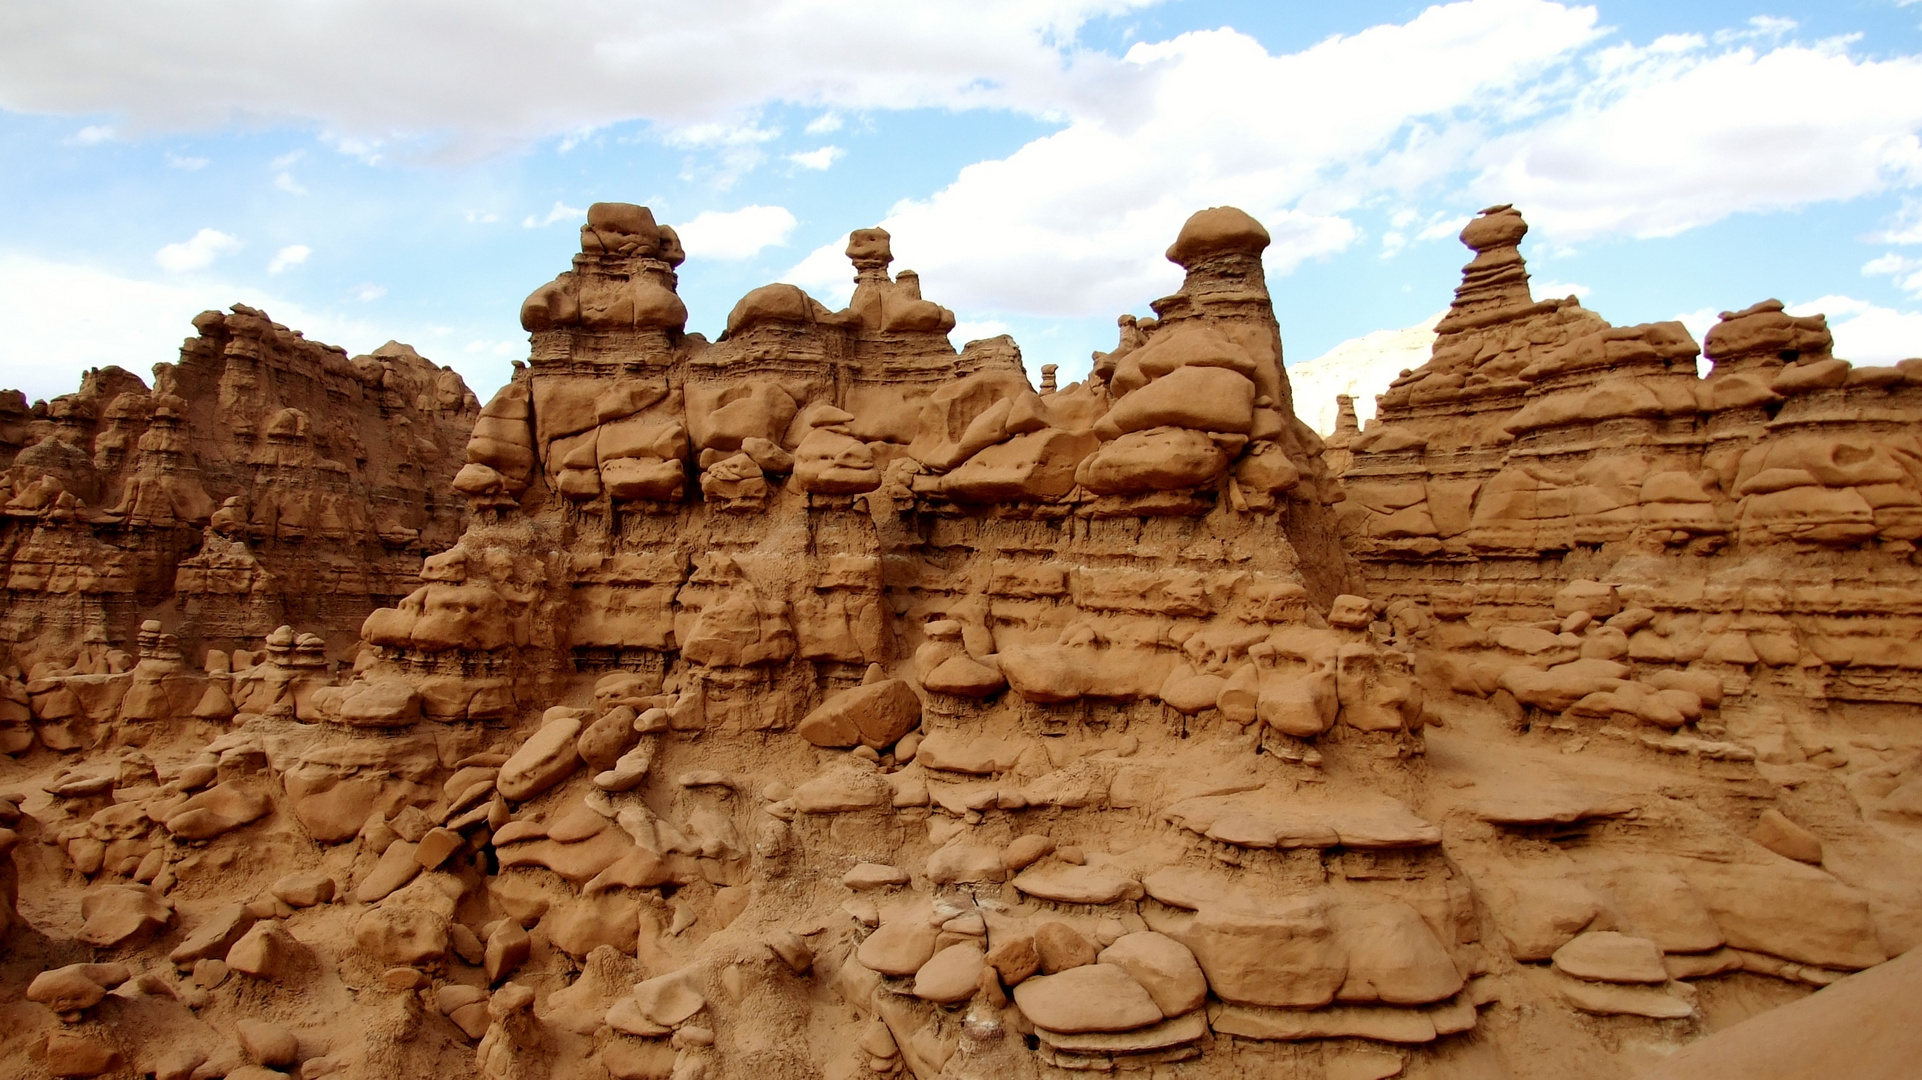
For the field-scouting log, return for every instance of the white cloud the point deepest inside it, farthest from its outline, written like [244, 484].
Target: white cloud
[1074, 222]
[736, 234]
[1558, 289]
[496, 75]
[291, 255]
[706, 135]
[285, 160]
[197, 252]
[1699, 322]
[1890, 263]
[136, 324]
[560, 212]
[818, 159]
[737, 149]
[1524, 101]
[1771, 27]
[826, 273]
[1442, 227]
[965, 332]
[287, 183]
[1905, 227]
[477, 217]
[1867, 333]
[128, 322]
[1492, 100]
[368, 292]
[575, 138]
[1660, 139]
[189, 164]
[1906, 271]
[91, 135]
[366, 149]
[125, 322]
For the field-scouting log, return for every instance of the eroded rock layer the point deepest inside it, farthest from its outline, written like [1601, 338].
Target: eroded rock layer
[1763, 514]
[822, 702]
[263, 479]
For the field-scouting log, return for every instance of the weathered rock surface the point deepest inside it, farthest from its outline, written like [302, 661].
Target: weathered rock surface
[253, 458]
[799, 701]
[1094, 997]
[1164, 967]
[1606, 956]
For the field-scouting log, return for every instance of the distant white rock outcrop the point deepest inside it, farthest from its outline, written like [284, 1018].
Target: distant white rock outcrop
[1361, 367]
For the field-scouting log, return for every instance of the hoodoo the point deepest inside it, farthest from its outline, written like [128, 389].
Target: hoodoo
[825, 701]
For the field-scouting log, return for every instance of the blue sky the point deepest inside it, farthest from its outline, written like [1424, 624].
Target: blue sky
[374, 169]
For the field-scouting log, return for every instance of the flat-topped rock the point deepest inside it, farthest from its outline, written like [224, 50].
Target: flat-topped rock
[1273, 830]
[304, 889]
[68, 1053]
[1607, 956]
[1390, 1025]
[957, 863]
[1270, 820]
[1545, 804]
[669, 999]
[842, 789]
[1789, 910]
[1095, 997]
[1385, 825]
[1066, 884]
[1169, 1033]
[1061, 947]
[1163, 966]
[1283, 952]
[117, 914]
[1189, 887]
[874, 714]
[267, 1043]
[950, 975]
[76, 986]
[1618, 999]
[866, 876]
[545, 759]
[1393, 956]
[897, 947]
[983, 755]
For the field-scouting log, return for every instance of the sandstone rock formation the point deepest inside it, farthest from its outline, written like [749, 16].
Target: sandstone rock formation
[263, 479]
[821, 701]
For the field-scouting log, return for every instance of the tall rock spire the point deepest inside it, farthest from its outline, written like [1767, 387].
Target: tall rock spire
[1495, 281]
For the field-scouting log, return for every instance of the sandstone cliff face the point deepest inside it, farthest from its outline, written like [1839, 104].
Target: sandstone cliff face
[754, 522]
[1764, 515]
[821, 701]
[263, 479]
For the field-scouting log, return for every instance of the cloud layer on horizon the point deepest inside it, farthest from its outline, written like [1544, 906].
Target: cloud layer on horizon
[1384, 136]
[503, 72]
[1517, 101]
